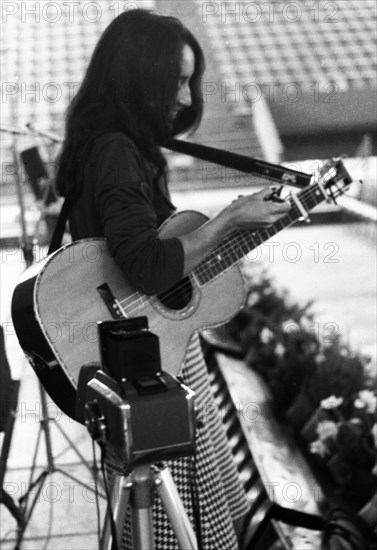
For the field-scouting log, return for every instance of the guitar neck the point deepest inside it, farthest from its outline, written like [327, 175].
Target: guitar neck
[240, 243]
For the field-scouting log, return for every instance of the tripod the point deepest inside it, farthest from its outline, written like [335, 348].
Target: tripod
[115, 418]
[138, 490]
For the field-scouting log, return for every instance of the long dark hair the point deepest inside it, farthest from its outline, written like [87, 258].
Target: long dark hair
[131, 86]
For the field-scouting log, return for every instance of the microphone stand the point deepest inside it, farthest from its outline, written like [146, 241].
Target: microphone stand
[28, 245]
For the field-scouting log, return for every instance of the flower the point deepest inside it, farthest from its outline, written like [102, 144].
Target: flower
[266, 335]
[367, 399]
[279, 349]
[327, 429]
[252, 299]
[331, 402]
[306, 323]
[290, 327]
[319, 357]
[319, 448]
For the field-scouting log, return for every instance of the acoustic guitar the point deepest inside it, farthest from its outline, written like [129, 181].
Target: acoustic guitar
[58, 302]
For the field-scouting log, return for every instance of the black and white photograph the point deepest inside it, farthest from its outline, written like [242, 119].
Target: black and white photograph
[188, 275]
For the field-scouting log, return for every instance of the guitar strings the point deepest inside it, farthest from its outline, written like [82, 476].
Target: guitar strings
[261, 234]
[222, 249]
[225, 247]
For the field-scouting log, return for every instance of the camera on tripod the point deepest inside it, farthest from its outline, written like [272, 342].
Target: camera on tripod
[139, 412]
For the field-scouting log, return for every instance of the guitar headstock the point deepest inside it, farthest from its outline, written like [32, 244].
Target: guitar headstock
[334, 179]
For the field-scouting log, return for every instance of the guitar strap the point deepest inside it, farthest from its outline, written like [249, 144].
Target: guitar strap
[272, 172]
[57, 236]
[296, 517]
[258, 167]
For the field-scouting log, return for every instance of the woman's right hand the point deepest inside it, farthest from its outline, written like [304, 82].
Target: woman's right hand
[253, 211]
[248, 212]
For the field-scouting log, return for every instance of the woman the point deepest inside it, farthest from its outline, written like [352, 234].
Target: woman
[142, 87]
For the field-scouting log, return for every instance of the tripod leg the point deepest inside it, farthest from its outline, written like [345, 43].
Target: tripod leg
[28, 513]
[75, 449]
[141, 508]
[120, 496]
[8, 501]
[175, 511]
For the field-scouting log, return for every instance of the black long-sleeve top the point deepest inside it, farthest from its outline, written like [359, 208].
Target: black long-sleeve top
[124, 200]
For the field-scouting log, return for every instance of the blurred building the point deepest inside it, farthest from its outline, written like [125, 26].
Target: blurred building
[284, 81]
[311, 65]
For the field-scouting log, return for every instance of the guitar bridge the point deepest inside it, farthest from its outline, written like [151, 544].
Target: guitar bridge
[110, 301]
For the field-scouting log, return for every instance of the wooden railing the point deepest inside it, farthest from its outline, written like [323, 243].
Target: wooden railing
[272, 469]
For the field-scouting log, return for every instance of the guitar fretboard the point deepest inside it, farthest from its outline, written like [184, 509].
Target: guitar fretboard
[240, 243]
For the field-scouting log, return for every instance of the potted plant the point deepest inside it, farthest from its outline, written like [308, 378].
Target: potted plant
[346, 444]
[339, 371]
[277, 338]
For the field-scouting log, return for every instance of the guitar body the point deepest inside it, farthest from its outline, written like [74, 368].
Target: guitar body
[57, 305]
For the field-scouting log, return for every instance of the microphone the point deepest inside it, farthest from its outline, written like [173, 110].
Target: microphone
[44, 133]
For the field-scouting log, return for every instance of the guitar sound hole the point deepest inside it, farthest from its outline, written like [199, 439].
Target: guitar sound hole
[177, 296]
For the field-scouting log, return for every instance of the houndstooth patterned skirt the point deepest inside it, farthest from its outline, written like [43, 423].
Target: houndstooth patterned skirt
[220, 496]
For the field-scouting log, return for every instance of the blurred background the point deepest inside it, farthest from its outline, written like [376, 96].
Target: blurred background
[292, 83]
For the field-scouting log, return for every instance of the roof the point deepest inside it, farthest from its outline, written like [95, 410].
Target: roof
[46, 47]
[251, 47]
[303, 41]
[314, 62]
